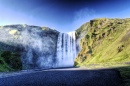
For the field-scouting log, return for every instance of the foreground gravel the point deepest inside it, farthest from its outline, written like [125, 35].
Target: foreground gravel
[62, 77]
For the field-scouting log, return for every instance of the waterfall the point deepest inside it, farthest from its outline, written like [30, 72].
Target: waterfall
[39, 47]
[40, 55]
[66, 49]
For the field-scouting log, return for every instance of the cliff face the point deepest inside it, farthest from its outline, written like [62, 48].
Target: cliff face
[104, 41]
[98, 41]
[31, 42]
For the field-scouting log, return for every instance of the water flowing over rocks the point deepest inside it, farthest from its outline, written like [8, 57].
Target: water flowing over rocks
[39, 47]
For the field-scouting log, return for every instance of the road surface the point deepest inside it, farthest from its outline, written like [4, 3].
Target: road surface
[63, 77]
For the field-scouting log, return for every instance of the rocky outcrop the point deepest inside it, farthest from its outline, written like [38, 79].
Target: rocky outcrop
[35, 44]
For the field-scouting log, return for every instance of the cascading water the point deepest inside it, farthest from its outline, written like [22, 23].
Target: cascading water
[65, 52]
[39, 51]
[66, 49]
[39, 47]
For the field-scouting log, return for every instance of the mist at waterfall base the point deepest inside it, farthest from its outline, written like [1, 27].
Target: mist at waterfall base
[65, 52]
[38, 47]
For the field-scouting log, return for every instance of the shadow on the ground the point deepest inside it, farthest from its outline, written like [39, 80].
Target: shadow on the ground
[70, 77]
[125, 75]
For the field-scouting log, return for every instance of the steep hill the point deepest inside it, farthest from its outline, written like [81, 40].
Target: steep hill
[105, 44]
[105, 41]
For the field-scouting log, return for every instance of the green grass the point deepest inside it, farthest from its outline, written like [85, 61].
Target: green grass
[9, 61]
[109, 43]
[4, 67]
[123, 68]
[105, 44]
[125, 73]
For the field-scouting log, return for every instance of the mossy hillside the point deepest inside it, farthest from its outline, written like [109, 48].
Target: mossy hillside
[106, 40]
[106, 45]
[10, 61]
[82, 30]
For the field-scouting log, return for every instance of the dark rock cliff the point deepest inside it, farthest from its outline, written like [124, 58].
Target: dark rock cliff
[31, 42]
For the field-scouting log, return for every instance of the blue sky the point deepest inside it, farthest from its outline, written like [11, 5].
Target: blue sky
[62, 15]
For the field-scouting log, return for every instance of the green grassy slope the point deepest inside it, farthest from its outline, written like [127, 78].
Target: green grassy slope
[106, 45]
[107, 41]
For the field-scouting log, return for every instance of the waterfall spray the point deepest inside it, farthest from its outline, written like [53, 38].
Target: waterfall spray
[66, 49]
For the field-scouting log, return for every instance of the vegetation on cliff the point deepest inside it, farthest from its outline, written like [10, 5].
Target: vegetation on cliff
[18, 41]
[106, 40]
[10, 61]
[106, 44]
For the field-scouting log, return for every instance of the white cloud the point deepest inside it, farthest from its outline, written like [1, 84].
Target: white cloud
[81, 16]
[85, 15]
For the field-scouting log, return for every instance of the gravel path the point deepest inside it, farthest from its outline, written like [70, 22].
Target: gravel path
[62, 77]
